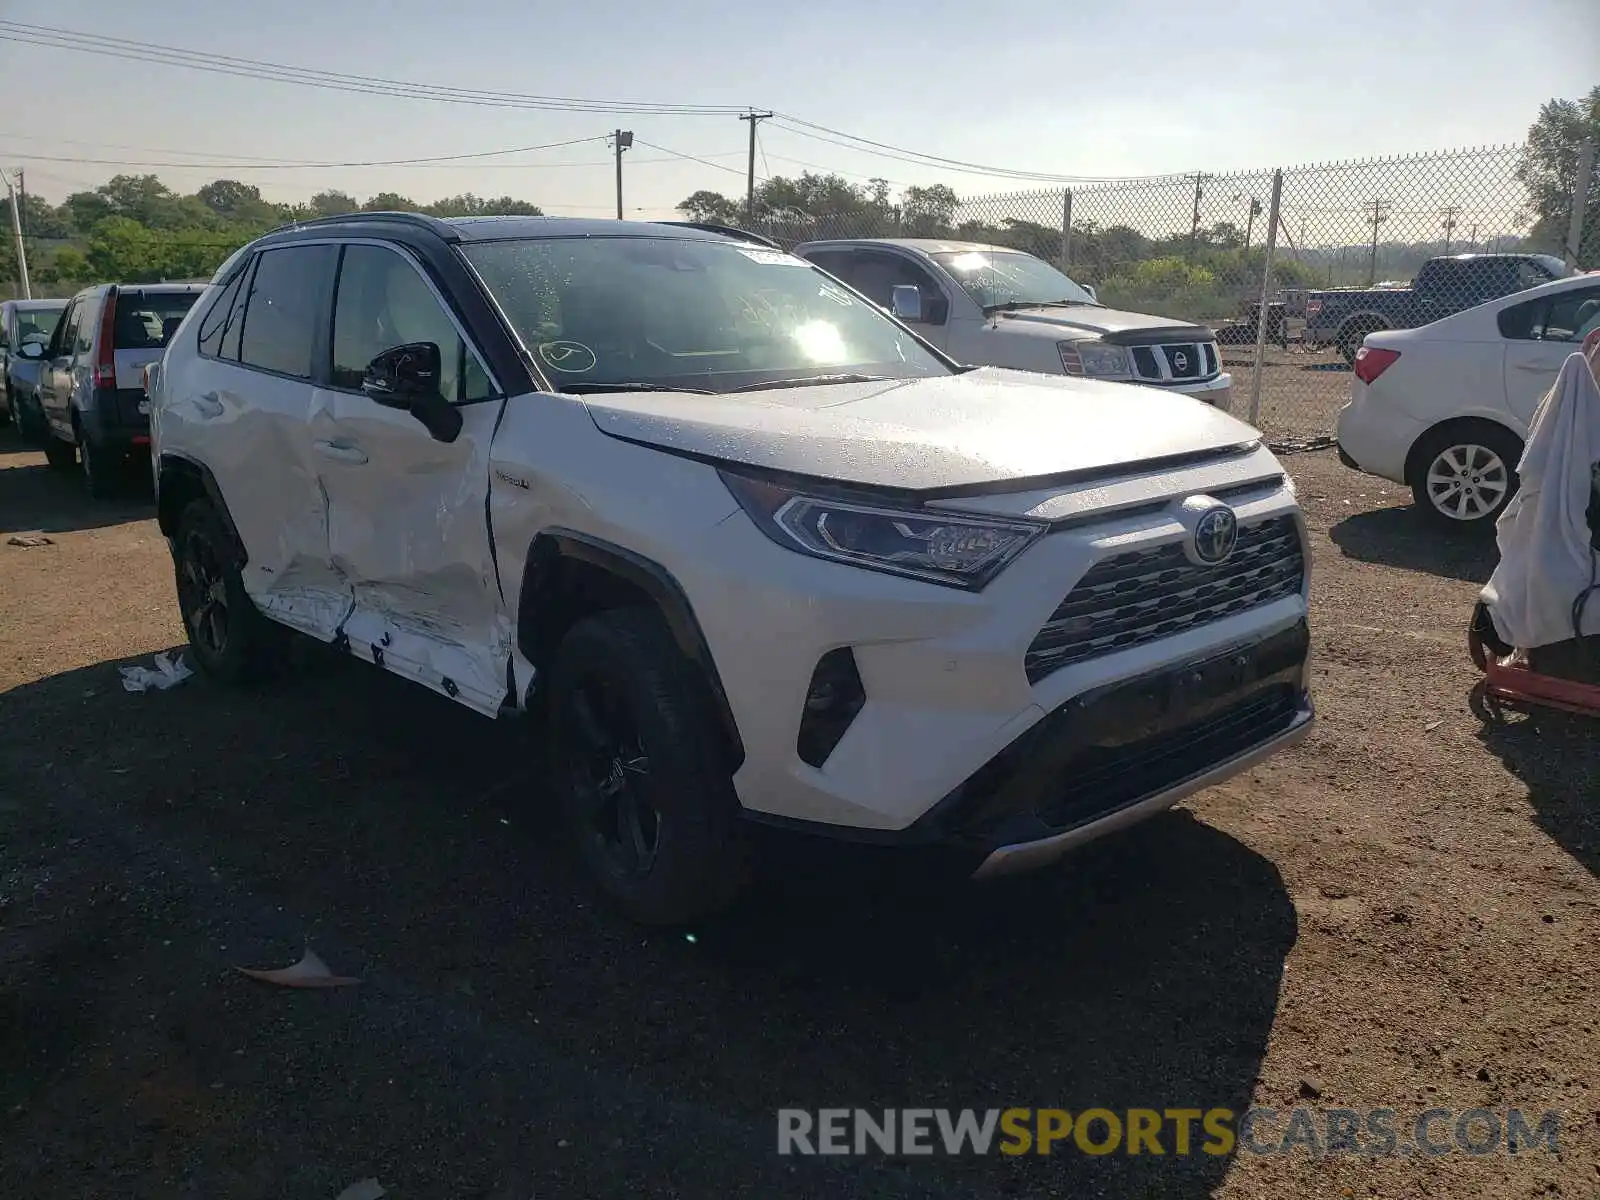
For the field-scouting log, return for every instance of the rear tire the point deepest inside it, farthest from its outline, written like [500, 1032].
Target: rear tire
[639, 766]
[1463, 475]
[61, 455]
[101, 469]
[1351, 336]
[231, 641]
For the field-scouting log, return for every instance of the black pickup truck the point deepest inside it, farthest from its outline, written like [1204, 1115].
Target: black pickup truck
[1443, 286]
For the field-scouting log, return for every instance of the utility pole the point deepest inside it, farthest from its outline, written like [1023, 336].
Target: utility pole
[1378, 217]
[1250, 225]
[1450, 211]
[750, 178]
[1194, 226]
[1474, 236]
[621, 140]
[16, 230]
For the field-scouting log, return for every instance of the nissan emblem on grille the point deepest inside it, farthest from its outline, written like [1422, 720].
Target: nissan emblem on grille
[1215, 534]
[1180, 360]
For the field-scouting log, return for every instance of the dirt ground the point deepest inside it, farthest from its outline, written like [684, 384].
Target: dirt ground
[1402, 913]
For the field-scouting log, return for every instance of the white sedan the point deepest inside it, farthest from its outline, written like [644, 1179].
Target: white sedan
[1445, 408]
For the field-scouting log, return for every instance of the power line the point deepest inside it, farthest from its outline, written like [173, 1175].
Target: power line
[850, 141]
[256, 165]
[705, 162]
[225, 64]
[150, 52]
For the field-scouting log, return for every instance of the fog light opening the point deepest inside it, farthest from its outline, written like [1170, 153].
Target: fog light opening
[832, 702]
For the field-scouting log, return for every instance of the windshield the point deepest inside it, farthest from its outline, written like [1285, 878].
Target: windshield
[999, 277]
[618, 312]
[37, 324]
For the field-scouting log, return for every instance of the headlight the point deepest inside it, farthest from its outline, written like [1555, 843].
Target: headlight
[946, 548]
[1091, 356]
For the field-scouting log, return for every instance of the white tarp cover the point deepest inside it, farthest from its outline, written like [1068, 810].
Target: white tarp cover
[1546, 561]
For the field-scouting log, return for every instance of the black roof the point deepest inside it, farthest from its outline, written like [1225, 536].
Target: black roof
[487, 229]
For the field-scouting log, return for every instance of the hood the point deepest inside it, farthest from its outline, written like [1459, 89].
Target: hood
[1110, 324]
[975, 430]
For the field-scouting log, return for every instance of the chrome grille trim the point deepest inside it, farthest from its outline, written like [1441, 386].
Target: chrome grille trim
[1157, 363]
[1143, 596]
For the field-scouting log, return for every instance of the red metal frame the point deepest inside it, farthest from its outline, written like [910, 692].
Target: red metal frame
[1518, 684]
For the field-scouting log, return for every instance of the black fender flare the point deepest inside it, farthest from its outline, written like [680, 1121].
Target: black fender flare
[172, 467]
[651, 578]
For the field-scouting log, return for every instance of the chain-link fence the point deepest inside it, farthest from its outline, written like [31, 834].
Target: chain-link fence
[1355, 247]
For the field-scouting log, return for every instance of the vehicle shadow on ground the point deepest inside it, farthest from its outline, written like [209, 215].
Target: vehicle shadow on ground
[1401, 537]
[416, 836]
[35, 497]
[1558, 756]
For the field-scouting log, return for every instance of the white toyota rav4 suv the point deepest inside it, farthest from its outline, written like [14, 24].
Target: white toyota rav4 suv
[752, 549]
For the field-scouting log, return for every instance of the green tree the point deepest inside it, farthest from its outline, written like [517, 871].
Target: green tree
[711, 207]
[928, 211]
[41, 219]
[1549, 170]
[468, 205]
[391, 202]
[333, 204]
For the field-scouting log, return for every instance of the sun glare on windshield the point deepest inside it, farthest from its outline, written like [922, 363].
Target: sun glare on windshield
[820, 342]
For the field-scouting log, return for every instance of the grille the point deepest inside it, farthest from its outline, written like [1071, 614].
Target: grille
[1183, 361]
[1146, 595]
[1176, 363]
[1105, 779]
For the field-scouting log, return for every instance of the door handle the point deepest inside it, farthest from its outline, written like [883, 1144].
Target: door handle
[341, 451]
[208, 404]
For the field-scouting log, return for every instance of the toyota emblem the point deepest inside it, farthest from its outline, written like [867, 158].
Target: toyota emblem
[1215, 535]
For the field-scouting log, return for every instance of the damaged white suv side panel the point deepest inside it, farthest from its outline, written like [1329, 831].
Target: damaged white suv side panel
[752, 550]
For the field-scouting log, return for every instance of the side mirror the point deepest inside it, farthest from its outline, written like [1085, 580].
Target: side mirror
[1093, 295]
[31, 350]
[906, 302]
[407, 377]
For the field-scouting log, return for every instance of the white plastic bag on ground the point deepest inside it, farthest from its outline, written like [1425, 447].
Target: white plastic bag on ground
[1546, 561]
[167, 673]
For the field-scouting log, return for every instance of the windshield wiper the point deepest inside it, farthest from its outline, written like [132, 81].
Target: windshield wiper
[585, 389]
[809, 380]
[1013, 305]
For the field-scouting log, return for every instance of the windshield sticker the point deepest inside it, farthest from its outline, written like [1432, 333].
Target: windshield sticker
[570, 358]
[772, 258]
[828, 292]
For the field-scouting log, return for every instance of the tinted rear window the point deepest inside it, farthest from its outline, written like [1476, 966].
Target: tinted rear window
[146, 319]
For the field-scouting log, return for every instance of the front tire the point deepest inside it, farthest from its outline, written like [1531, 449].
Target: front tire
[643, 781]
[230, 639]
[1464, 475]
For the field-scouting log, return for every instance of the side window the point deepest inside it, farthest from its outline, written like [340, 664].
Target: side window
[224, 313]
[875, 275]
[284, 309]
[1571, 316]
[835, 262]
[88, 318]
[61, 340]
[382, 302]
[1530, 274]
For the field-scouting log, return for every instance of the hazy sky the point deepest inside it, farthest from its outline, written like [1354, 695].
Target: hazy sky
[1104, 89]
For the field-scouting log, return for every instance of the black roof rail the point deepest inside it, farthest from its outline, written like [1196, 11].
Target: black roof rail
[743, 235]
[433, 224]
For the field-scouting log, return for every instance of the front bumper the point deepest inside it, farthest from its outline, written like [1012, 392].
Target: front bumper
[944, 672]
[1217, 392]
